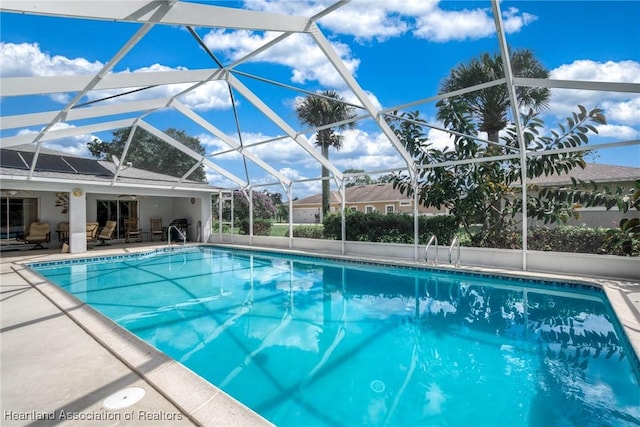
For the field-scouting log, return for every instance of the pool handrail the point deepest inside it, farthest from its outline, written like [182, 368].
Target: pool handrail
[426, 251]
[453, 243]
[184, 238]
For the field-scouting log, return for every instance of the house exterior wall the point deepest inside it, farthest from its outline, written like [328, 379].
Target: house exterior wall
[597, 216]
[77, 214]
[591, 217]
[306, 213]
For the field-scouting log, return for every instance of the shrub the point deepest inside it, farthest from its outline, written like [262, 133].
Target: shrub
[392, 228]
[261, 227]
[262, 206]
[579, 240]
[444, 227]
[566, 239]
[307, 231]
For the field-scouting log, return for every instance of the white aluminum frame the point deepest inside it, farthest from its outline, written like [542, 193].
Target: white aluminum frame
[149, 13]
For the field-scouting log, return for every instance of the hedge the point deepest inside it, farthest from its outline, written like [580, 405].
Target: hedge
[307, 231]
[390, 228]
[578, 240]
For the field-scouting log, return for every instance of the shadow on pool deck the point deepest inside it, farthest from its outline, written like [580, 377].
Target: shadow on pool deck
[60, 360]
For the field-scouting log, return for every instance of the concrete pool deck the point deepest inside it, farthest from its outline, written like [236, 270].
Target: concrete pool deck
[60, 359]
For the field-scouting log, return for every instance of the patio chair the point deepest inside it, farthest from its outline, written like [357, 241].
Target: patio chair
[39, 233]
[107, 233]
[156, 228]
[132, 230]
[92, 231]
[63, 233]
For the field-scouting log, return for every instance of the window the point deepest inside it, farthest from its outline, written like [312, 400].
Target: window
[353, 208]
[17, 213]
[369, 209]
[405, 203]
[389, 209]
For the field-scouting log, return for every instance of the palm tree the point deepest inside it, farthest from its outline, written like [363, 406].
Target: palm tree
[489, 107]
[486, 109]
[324, 109]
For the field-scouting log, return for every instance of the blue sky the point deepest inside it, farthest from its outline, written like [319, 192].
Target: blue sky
[398, 51]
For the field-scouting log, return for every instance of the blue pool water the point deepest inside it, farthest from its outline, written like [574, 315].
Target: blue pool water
[315, 342]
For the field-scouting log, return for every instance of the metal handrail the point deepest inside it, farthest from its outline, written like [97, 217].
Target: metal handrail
[426, 251]
[455, 240]
[184, 237]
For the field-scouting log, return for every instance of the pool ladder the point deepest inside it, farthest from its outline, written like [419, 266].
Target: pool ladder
[433, 239]
[184, 238]
[454, 243]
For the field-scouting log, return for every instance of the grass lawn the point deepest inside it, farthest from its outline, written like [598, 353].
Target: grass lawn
[279, 230]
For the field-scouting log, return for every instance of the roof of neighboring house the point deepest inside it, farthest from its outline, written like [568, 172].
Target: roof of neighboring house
[54, 164]
[592, 172]
[386, 193]
[360, 194]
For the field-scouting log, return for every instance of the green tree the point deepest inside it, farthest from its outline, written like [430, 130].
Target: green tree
[151, 153]
[475, 192]
[488, 108]
[324, 109]
[354, 181]
[263, 207]
[282, 208]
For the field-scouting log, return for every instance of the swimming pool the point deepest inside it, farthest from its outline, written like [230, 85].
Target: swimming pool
[306, 340]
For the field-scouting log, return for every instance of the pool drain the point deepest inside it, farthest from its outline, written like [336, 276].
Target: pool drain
[123, 398]
[377, 386]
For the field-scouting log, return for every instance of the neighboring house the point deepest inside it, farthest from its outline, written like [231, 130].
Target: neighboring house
[603, 175]
[364, 198]
[384, 198]
[68, 188]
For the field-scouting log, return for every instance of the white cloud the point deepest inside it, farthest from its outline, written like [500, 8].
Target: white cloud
[217, 180]
[384, 19]
[298, 51]
[301, 189]
[610, 71]
[619, 132]
[27, 60]
[618, 107]
[76, 145]
[374, 21]
[439, 139]
[626, 112]
[362, 150]
[442, 26]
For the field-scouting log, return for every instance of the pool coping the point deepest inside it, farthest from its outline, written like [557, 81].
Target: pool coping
[204, 403]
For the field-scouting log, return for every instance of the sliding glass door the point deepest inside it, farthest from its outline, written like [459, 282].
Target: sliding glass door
[118, 211]
[17, 214]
